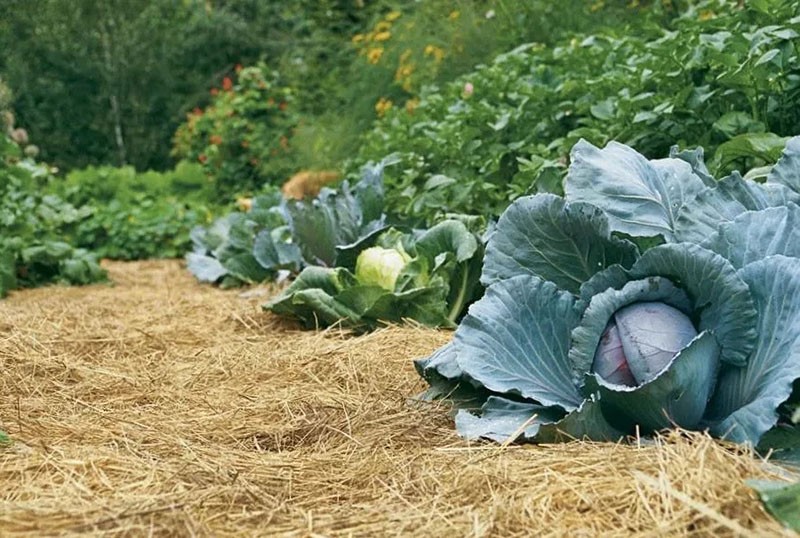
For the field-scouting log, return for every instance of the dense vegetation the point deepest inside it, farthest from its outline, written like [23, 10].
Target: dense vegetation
[477, 103]
[133, 130]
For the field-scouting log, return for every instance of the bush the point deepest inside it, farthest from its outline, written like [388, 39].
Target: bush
[721, 77]
[243, 139]
[132, 215]
[35, 228]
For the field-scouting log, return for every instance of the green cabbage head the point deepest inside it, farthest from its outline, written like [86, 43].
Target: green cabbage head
[650, 296]
[380, 266]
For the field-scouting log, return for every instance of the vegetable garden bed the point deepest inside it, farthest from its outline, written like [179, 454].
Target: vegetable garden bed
[163, 406]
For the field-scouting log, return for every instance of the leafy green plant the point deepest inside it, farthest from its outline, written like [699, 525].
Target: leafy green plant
[782, 500]
[35, 228]
[278, 235]
[131, 215]
[721, 76]
[243, 139]
[244, 247]
[429, 276]
[651, 295]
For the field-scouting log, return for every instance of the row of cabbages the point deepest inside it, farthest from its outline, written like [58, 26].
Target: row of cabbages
[651, 295]
[354, 268]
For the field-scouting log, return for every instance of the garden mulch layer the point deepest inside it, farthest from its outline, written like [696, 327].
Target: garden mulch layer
[160, 406]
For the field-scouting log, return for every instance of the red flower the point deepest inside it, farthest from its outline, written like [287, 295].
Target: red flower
[227, 84]
[283, 105]
[197, 111]
[202, 158]
[215, 140]
[214, 91]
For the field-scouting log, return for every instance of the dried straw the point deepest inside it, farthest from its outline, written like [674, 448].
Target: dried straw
[160, 406]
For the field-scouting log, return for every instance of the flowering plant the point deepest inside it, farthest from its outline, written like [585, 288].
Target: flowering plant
[243, 138]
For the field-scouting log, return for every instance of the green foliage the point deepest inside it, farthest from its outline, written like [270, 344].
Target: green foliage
[721, 74]
[700, 331]
[35, 228]
[130, 215]
[243, 138]
[781, 499]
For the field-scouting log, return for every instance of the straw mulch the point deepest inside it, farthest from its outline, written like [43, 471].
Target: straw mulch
[160, 406]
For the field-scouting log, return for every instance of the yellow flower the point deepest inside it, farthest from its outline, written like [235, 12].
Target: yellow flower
[383, 36]
[454, 15]
[392, 16]
[403, 74]
[382, 106]
[597, 6]
[383, 26]
[411, 105]
[358, 38]
[374, 55]
[706, 15]
[436, 52]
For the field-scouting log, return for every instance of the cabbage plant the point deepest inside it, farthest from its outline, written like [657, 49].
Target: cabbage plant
[651, 295]
[429, 276]
[380, 266]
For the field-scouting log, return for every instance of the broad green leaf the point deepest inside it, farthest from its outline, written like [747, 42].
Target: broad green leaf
[447, 381]
[311, 298]
[712, 207]
[641, 197]
[448, 236]
[747, 398]
[505, 420]
[696, 159]
[782, 500]
[516, 338]
[205, 268]
[677, 396]
[443, 362]
[782, 444]
[787, 170]
[272, 251]
[425, 305]
[767, 57]
[586, 336]
[613, 277]
[335, 218]
[716, 291]
[314, 308]
[347, 254]
[754, 235]
[736, 123]
[586, 422]
[764, 146]
[563, 243]
[245, 267]
[5, 440]
[49, 252]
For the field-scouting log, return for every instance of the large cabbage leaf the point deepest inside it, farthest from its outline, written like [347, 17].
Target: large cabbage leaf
[545, 236]
[746, 400]
[641, 197]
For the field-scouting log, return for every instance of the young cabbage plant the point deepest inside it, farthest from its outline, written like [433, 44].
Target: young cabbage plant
[429, 276]
[650, 296]
[244, 247]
